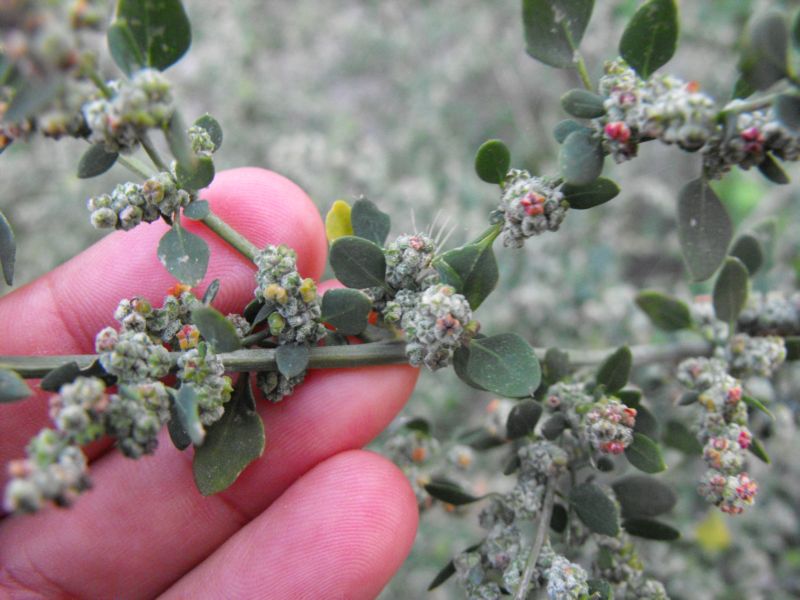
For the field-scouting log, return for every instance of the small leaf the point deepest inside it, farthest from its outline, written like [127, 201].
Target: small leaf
[559, 518]
[12, 387]
[704, 229]
[504, 364]
[8, 249]
[346, 309]
[358, 263]
[369, 222]
[481, 439]
[33, 96]
[177, 434]
[595, 509]
[218, 331]
[471, 270]
[197, 176]
[583, 104]
[600, 589]
[338, 221]
[178, 141]
[492, 161]
[418, 424]
[554, 29]
[197, 210]
[650, 529]
[630, 397]
[757, 449]
[643, 496]
[747, 249]
[581, 158]
[556, 365]
[764, 58]
[187, 411]
[460, 363]
[742, 89]
[565, 127]
[66, 373]
[450, 492]
[651, 36]
[770, 169]
[96, 161]
[646, 423]
[213, 128]
[211, 292]
[645, 455]
[292, 359]
[581, 197]
[792, 344]
[160, 28]
[123, 47]
[448, 570]
[615, 370]
[787, 110]
[677, 435]
[231, 443]
[757, 405]
[522, 419]
[665, 312]
[731, 290]
[184, 255]
[554, 426]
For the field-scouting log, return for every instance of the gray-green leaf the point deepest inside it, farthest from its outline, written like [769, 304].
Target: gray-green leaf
[554, 29]
[358, 263]
[12, 386]
[231, 443]
[565, 127]
[583, 104]
[369, 222]
[471, 269]
[581, 157]
[615, 370]
[787, 110]
[96, 161]
[523, 418]
[346, 309]
[124, 48]
[666, 312]
[704, 229]
[651, 529]
[651, 36]
[218, 331]
[645, 455]
[187, 411]
[292, 359]
[492, 161]
[160, 27]
[731, 290]
[8, 249]
[504, 364]
[643, 496]
[764, 58]
[450, 492]
[593, 194]
[595, 509]
[213, 128]
[748, 249]
[184, 255]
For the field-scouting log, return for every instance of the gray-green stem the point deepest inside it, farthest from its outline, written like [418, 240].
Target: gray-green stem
[135, 166]
[151, 151]
[337, 357]
[539, 540]
[231, 236]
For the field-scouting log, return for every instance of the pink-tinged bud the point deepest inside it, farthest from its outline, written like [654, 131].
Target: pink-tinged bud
[734, 395]
[178, 289]
[731, 509]
[416, 243]
[744, 439]
[626, 99]
[747, 488]
[719, 443]
[613, 447]
[693, 87]
[618, 131]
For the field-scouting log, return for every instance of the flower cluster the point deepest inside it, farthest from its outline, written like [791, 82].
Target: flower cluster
[439, 323]
[131, 203]
[619, 564]
[529, 206]
[408, 263]
[135, 416]
[760, 356]
[204, 371]
[162, 324]
[723, 431]
[131, 356]
[666, 108]
[608, 425]
[775, 313]
[566, 580]
[136, 105]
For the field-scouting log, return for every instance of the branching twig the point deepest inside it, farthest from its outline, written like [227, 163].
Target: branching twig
[538, 542]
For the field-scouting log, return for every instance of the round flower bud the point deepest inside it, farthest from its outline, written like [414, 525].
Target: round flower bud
[608, 425]
[529, 206]
[408, 262]
[206, 372]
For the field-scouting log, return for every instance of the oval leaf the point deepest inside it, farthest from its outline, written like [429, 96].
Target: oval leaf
[643, 496]
[564, 128]
[764, 57]
[615, 370]
[369, 222]
[66, 373]
[554, 29]
[213, 128]
[231, 443]
[177, 434]
[556, 365]
[8, 249]
[123, 47]
[522, 419]
[590, 195]
[645, 455]
[756, 404]
[12, 387]
[665, 312]
[646, 422]
[504, 364]
[460, 364]
[583, 104]
[677, 435]
[96, 161]
[651, 530]
[197, 210]
[651, 36]
[218, 331]
[292, 359]
[731, 290]
[358, 263]
[196, 175]
[450, 492]
[581, 157]
[492, 161]
[184, 255]
[186, 410]
[757, 449]
[338, 222]
[595, 509]
[554, 426]
[748, 249]
[704, 229]
[160, 28]
[471, 270]
[346, 309]
[770, 169]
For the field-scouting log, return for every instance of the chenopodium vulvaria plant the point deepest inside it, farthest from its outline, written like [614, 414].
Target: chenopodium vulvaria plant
[566, 428]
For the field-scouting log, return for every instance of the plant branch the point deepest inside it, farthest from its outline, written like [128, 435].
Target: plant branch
[151, 151]
[538, 542]
[230, 235]
[135, 166]
[336, 357]
[737, 107]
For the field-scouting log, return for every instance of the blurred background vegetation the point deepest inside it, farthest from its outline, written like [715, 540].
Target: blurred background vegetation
[391, 100]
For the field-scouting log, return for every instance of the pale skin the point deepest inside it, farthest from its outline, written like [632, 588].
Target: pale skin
[316, 517]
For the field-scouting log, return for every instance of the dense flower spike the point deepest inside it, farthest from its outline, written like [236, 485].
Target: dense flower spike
[529, 206]
[79, 408]
[609, 426]
[566, 580]
[408, 262]
[136, 415]
[775, 313]
[439, 323]
[760, 356]
[203, 370]
[131, 356]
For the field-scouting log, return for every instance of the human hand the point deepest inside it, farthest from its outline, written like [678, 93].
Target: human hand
[315, 517]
